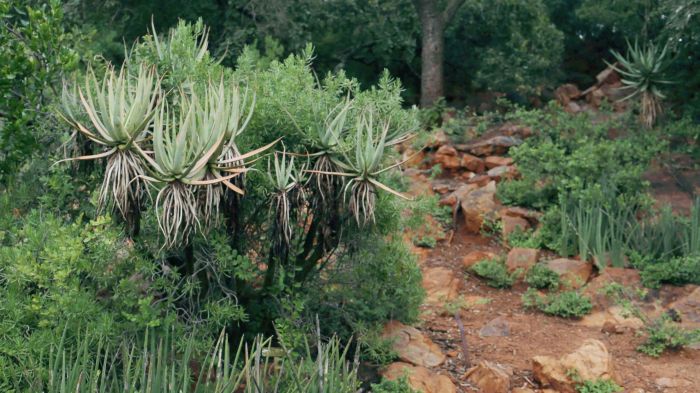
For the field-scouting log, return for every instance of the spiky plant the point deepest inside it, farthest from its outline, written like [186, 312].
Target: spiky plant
[240, 110]
[284, 177]
[643, 71]
[184, 149]
[328, 136]
[364, 168]
[120, 109]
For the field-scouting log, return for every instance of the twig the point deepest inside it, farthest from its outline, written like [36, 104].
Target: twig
[463, 337]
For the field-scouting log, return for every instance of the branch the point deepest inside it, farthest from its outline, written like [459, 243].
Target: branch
[451, 10]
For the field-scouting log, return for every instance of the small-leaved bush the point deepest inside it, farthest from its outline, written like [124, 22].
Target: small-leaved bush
[399, 385]
[599, 386]
[566, 304]
[664, 334]
[495, 273]
[541, 277]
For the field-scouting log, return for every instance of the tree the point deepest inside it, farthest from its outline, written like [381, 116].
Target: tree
[434, 18]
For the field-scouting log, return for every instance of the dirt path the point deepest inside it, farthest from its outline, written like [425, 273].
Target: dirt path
[533, 333]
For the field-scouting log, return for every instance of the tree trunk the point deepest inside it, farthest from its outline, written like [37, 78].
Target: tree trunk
[432, 50]
[434, 17]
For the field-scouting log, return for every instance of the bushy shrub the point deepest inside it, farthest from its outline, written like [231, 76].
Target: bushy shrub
[663, 334]
[541, 277]
[77, 277]
[567, 304]
[379, 282]
[574, 156]
[495, 273]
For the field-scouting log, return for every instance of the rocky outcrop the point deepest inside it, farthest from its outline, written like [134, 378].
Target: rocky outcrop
[591, 361]
[412, 346]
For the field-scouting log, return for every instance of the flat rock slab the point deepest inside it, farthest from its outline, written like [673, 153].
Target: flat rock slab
[412, 346]
[420, 378]
[497, 327]
[441, 285]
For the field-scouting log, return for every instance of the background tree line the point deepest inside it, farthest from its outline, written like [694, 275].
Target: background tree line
[510, 46]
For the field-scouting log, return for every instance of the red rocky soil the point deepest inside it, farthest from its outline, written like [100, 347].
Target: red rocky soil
[503, 337]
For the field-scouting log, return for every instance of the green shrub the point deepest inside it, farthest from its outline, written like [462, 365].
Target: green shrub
[663, 334]
[495, 273]
[385, 285]
[400, 385]
[677, 271]
[541, 277]
[599, 386]
[568, 304]
[524, 238]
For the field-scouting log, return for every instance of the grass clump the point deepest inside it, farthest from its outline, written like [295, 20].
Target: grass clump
[663, 334]
[542, 277]
[495, 273]
[567, 304]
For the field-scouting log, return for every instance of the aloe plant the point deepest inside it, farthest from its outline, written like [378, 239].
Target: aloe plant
[364, 168]
[643, 71]
[120, 109]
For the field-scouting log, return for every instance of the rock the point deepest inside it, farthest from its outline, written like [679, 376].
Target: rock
[494, 161]
[591, 361]
[490, 145]
[420, 378]
[441, 285]
[513, 129]
[438, 138]
[511, 224]
[573, 107]
[572, 272]
[689, 309]
[628, 278]
[497, 327]
[665, 382]
[448, 200]
[490, 377]
[567, 92]
[477, 205]
[502, 172]
[473, 163]
[473, 257]
[613, 317]
[412, 346]
[412, 158]
[447, 157]
[608, 76]
[522, 258]
[515, 211]
[479, 180]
